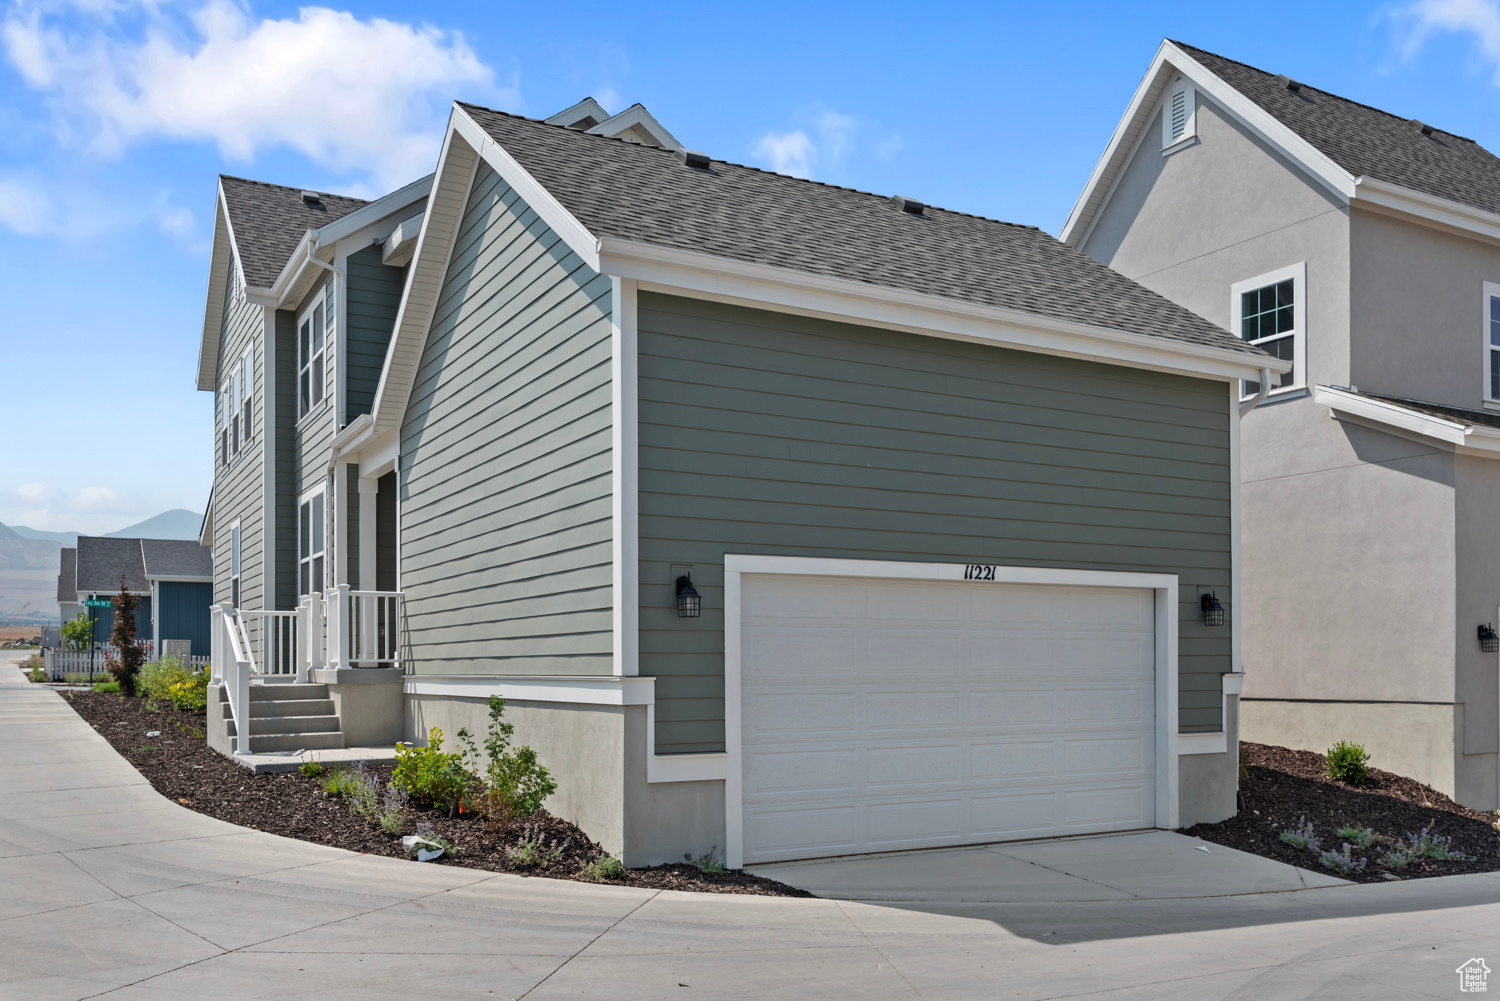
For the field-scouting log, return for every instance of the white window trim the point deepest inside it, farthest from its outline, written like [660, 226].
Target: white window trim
[1168, 741]
[247, 395]
[1490, 289]
[236, 562]
[321, 299]
[321, 490]
[1298, 274]
[1170, 143]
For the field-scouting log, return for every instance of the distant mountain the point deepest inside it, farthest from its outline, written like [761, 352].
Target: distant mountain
[175, 524]
[20, 553]
[69, 539]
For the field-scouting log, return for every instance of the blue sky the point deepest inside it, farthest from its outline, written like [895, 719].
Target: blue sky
[116, 115]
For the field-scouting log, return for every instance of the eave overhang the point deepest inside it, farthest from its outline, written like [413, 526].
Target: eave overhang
[1460, 437]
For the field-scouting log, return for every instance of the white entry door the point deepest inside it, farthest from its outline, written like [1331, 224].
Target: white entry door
[884, 714]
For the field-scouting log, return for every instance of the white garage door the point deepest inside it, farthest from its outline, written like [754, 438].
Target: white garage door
[886, 714]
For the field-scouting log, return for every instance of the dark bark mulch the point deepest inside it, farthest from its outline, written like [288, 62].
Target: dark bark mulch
[180, 765]
[1284, 786]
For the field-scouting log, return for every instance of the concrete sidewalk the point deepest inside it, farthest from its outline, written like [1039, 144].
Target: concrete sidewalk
[109, 890]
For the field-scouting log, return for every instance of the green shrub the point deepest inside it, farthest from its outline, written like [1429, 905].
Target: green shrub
[107, 686]
[310, 769]
[431, 775]
[1347, 762]
[515, 782]
[711, 864]
[78, 635]
[37, 675]
[172, 680]
[1359, 837]
[606, 867]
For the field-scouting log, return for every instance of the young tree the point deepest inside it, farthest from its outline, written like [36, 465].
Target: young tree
[127, 664]
[78, 634]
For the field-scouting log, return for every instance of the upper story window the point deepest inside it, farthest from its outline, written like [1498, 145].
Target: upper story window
[246, 393]
[1492, 341]
[1179, 117]
[1269, 312]
[310, 542]
[311, 379]
[234, 565]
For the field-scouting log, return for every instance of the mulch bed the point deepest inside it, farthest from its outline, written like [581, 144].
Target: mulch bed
[180, 765]
[1284, 786]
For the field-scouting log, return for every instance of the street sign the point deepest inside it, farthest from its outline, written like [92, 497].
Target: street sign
[97, 603]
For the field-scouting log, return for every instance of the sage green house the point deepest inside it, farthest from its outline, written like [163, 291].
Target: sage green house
[796, 521]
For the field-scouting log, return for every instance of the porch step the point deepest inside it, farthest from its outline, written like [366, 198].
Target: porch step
[295, 742]
[294, 707]
[287, 693]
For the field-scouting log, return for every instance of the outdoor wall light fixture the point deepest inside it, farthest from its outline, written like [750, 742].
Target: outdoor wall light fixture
[1213, 612]
[689, 604]
[1489, 642]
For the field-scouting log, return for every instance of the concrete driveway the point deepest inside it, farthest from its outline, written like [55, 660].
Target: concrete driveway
[109, 890]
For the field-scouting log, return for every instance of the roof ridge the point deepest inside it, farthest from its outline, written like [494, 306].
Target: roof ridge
[742, 166]
[289, 187]
[1320, 90]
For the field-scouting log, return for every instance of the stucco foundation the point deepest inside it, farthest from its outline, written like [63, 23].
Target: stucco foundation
[1207, 783]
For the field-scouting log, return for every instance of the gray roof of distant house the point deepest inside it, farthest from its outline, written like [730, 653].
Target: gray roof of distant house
[1480, 418]
[269, 220]
[67, 575]
[636, 192]
[177, 558]
[1368, 142]
[101, 561]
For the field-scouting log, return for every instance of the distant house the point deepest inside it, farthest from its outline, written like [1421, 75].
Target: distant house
[67, 585]
[173, 579]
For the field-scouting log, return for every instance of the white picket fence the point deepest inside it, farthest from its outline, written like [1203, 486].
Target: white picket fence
[58, 664]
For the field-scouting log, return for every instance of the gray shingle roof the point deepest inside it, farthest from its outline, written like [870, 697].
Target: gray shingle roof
[67, 575]
[1368, 142]
[269, 221]
[635, 192]
[1481, 418]
[101, 561]
[177, 558]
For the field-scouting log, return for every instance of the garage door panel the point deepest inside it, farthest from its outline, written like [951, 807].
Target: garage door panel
[1025, 711]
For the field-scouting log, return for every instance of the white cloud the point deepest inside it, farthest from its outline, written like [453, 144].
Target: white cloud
[787, 152]
[176, 222]
[839, 138]
[24, 208]
[31, 493]
[1420, 21]
[95, 499]
[365, 96]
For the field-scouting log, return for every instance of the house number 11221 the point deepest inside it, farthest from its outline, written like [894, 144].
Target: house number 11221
[977, 571]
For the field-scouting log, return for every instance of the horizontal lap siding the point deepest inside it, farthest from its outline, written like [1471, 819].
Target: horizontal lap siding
[371, 301]
[313, 441]
[505, 483]
[239, 488]
[286, 459]
[766, 433]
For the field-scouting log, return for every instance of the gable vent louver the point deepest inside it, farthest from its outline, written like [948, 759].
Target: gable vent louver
[908, 205]
[1177, 118]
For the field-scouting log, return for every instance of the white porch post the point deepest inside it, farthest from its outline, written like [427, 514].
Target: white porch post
[339, 510]
[338, 626]
[369, 489]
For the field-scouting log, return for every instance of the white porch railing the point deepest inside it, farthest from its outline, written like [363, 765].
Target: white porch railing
[272, 644]
[364, 628]
[232, 666]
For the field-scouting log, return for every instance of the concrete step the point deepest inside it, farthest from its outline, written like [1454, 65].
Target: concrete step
[295, 742]
[287, 693]
[268, 725]
[297, 707]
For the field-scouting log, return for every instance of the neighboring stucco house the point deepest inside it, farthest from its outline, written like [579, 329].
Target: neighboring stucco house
[798, 520]
[172, 578]
[1365, 248]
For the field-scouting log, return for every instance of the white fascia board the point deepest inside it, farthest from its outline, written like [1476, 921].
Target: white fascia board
[206, 528]
[180, 578]
[636, 115]
[593, 691]
[704, 276]
[586, 108]
[222, 251]
[398, 248]
[1467, 439]
[1170, 59]
[1441, 213]
[367, 215]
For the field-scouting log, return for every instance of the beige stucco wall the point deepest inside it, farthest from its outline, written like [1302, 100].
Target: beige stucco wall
[1417, 310]
[1207, 783]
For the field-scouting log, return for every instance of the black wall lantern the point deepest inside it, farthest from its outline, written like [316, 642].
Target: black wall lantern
[1213, 612]
[689, 604]
[1488, 641]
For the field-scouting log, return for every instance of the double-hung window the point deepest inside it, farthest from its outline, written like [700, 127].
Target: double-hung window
[1269, 311]
[234, 565]
[311, 339]
[310, 531]
[1492, 342]
[246, 393]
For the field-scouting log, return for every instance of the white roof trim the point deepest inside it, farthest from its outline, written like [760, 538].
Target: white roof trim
[586, 108]
[1171, 60]
[206, 529]
[222, 252]
[1469, 439]
[705, 276]
[636, 115]
[373, 212]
